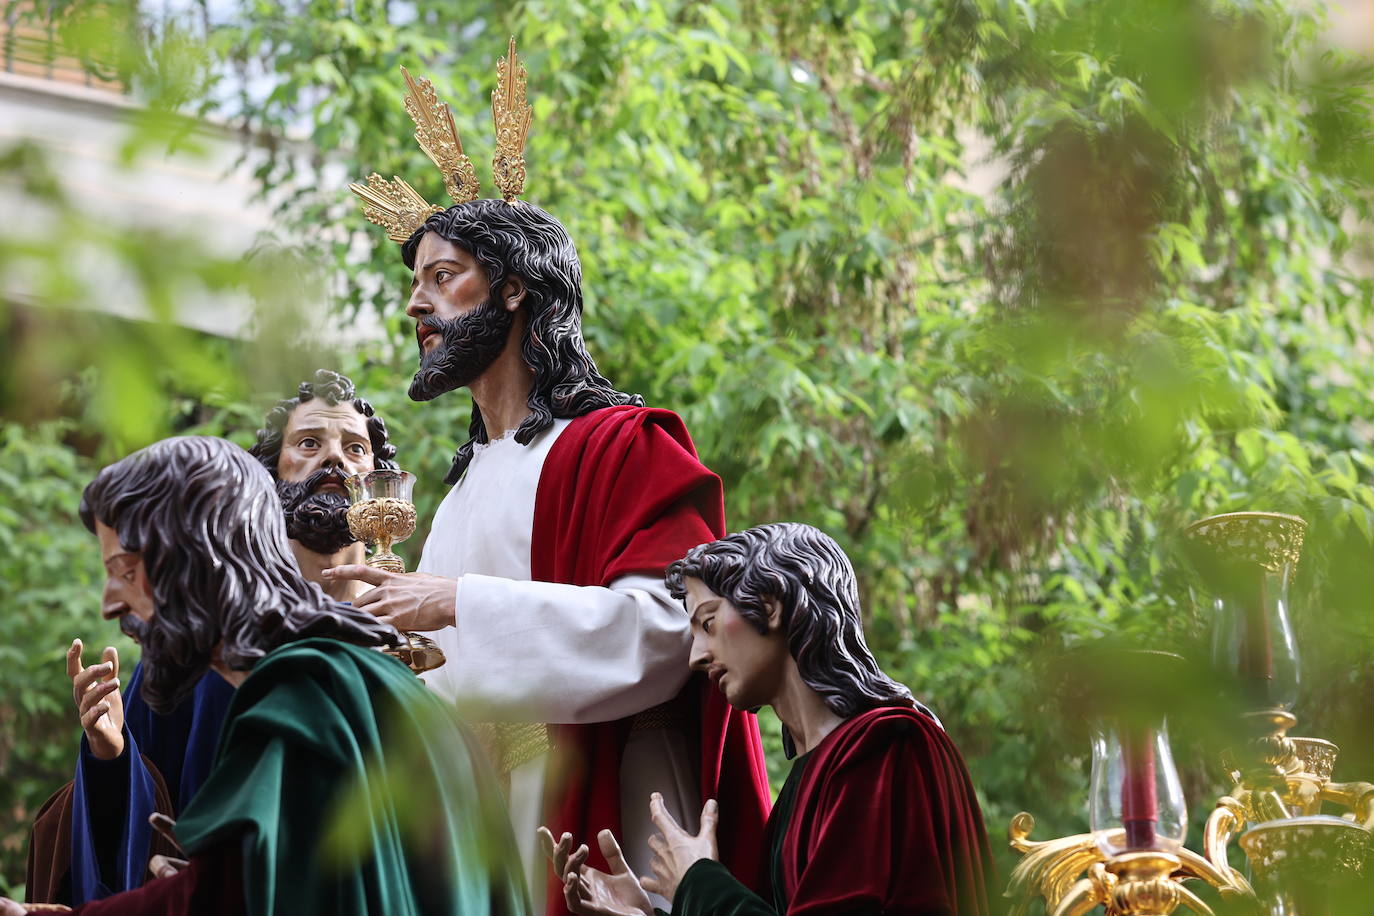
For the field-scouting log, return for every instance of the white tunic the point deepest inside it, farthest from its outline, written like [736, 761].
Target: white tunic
[526, 651]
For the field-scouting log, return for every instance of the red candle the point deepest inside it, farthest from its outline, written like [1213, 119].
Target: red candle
[1139, 806]
[1257, 648]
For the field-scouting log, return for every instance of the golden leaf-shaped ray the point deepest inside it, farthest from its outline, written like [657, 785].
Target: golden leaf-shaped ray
[437, 136]
[511, 117]
[394, 205]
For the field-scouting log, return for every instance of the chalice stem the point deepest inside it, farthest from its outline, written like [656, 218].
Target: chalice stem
[420, 653]
[384, 559]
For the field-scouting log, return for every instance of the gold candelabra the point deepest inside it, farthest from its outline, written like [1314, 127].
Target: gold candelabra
[1273, 811]
[382, 513]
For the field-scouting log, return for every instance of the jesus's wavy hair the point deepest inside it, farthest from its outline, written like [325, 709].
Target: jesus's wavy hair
[207, 521]
[521, 239]
[807, 573]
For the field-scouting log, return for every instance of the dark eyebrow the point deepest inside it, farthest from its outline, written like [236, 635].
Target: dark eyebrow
[116, 557]
[713, 602]
[415, 278]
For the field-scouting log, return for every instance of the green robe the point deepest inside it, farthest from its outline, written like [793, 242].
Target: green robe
[708, 888]
[353, 791]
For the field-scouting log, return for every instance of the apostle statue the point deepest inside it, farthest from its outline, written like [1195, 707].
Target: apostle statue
[311, 444]
[877, 815]
[340, 783]
[542, 577]
[93, 837]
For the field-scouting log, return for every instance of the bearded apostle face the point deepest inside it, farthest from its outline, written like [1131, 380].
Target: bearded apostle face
[199, 516]
[322, 445]
[744, 664]
[461, 327]
[128, 597]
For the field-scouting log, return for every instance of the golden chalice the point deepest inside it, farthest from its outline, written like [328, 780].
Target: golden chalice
[382, 514]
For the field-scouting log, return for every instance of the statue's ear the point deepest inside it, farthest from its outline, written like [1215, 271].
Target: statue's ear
[513, 292]
[774, 615]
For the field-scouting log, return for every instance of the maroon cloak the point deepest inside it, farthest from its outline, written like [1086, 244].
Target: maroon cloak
[880, 817]
[622, 492]
[886, 818]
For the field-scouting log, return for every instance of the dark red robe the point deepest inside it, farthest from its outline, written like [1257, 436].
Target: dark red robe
[210, 885]
[880, 817]
[622, 492]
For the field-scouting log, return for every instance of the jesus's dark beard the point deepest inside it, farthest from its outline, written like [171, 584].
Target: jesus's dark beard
[469, 344]
[318, 520]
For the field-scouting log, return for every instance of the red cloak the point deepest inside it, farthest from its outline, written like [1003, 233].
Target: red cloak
[622, 492]
[886, 820]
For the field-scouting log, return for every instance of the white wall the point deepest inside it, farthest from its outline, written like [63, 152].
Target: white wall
[82, 131]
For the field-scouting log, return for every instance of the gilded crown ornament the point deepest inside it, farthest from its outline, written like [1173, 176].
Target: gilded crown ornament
[437, 136]
[397, 207]
[511, 117]
[394, 205]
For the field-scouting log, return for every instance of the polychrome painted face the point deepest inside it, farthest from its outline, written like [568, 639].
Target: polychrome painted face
[322, 445]
[321, 435]
[127, 590]
[448, 283]
[461, 329]
[744, 664]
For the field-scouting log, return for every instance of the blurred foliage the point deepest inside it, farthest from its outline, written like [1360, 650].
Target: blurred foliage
[1001, 294]
[51, 580]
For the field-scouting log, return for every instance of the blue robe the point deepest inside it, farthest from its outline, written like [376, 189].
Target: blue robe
[111, 799]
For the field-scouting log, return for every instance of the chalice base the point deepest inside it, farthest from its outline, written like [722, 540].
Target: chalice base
[419, 652]
[387, 561]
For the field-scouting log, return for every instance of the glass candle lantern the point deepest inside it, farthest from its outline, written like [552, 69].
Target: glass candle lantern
[1246, 561]
[1137, 800]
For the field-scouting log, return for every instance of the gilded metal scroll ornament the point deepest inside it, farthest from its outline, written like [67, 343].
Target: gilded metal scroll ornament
[1269, 539]
[1318, 848]
[437, 136]
[394, 205]
[511, 117]
[1072, 875]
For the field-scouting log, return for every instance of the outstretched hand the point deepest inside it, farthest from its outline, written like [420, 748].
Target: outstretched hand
[556, 853]
[589, 891]
[413, 602]
[675, 850]
[99, 707]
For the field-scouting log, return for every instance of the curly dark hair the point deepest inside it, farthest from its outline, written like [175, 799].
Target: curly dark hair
[208, 523]
[335, 389]
[523, 240]
[807, 573]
